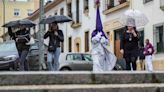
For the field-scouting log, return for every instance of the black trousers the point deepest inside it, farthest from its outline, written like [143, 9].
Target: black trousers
[130, 60]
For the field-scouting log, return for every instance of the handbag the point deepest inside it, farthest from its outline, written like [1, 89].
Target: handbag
[52, 46]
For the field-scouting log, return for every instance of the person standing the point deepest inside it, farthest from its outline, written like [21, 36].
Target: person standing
[148, 51]
[103, 59]
[142, 56]
[129, 45]
[21, 37]
[55, 38]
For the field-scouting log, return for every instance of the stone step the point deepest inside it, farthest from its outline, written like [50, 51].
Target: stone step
[86, 88]
[52, 78]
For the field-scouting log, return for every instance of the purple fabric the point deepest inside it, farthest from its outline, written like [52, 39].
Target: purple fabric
[99, 27]
[148, 46]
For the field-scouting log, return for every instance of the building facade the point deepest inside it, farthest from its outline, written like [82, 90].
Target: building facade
[83, 12]
[14, 10]
[154, 30]
[78, 32]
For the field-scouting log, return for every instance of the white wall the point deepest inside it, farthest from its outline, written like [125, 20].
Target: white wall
[151, 10]
[155, 15]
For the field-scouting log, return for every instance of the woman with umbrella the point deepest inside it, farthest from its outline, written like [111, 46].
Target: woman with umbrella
[103, 60]
[129, 43]
[55, 38]
[21, 37]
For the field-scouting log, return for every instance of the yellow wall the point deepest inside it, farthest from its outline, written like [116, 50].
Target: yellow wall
[10, 6]
[158, 65]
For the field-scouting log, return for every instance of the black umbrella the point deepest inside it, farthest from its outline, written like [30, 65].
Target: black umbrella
[10, 24]
[25, 22]
[56, 18]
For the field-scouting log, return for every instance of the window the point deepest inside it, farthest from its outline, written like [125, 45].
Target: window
[158, 38]
[87, 57]
[79, 57]
[76, 15]
[121, 1]
[109, 4]
[69, 57]
[29, 12]
[141, 41]
[112, 3]
[69, 7]
[86, 41]
[146, 1]
[76, 57]
[77, 11]
[16, 12]
[78, 47]
[70, 44]
[62, 11]
[86, 5]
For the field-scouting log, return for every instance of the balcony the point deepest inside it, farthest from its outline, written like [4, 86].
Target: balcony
[109, 8]
[77, 19]
[162, 4]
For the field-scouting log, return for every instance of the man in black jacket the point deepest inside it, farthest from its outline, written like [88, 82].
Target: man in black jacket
[55, 38]
[21, 37]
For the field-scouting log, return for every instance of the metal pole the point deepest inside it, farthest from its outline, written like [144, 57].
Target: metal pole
[66, 45]
[41, 40]
[66, 39]
[3, 19]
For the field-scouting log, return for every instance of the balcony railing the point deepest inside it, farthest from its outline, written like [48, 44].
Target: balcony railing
[162, 4]
[110, 7]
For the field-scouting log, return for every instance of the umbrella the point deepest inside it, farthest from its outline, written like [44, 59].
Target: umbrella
[16, 23]
[10, 24]
[26, 22]
[134, 17]
[56, 18]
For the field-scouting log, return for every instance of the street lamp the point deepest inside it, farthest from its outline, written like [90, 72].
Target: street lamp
[3, 19]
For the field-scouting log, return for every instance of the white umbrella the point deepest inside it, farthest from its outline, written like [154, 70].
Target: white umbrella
[134, 18]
